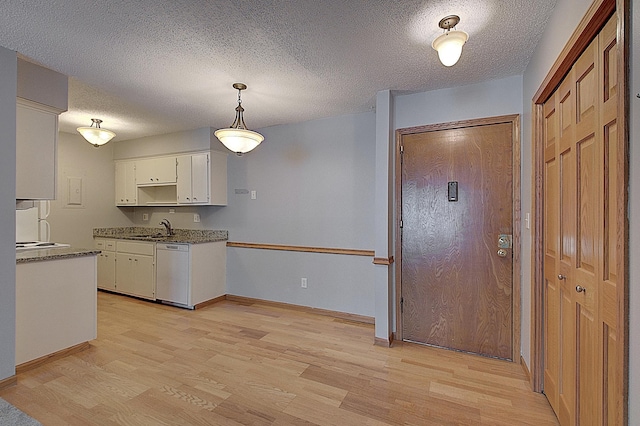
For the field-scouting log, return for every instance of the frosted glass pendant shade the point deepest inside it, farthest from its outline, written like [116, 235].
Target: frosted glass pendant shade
[96, 136]
[449, 46]
[239, 140]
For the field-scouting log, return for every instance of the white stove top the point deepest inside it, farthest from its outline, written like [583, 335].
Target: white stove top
[31, 245]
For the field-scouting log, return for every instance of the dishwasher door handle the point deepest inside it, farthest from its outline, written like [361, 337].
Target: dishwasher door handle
[173, 247]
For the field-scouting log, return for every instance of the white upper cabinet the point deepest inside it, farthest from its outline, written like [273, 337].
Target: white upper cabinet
[156, 171]
[41, 96]
[193, 179]
[197, 178]
[36, 151]
[126, 190]
[200, 178]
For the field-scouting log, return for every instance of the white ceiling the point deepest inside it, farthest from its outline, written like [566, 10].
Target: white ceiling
[157, 66]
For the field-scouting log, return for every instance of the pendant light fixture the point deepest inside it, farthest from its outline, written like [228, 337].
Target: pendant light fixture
[449, 45]
[96, 136]
[238, 138]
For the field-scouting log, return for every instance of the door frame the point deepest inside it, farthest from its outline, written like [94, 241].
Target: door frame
[593, 21]
[514, 120]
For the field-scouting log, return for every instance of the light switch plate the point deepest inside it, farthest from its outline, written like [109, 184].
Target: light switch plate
[145, 216]
[254, 195]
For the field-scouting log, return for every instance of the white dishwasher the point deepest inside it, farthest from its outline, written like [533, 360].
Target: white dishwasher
[172, 273]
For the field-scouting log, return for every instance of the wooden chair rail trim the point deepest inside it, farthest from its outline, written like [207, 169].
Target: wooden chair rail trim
[305, 249]
[8, 382]
[35, 363]
[383, 260]
[335, 314]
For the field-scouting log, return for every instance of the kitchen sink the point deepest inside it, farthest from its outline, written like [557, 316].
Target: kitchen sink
[154, 237]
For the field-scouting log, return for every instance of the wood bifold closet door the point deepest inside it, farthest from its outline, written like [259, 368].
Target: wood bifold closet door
[580, 233]
[456, 289]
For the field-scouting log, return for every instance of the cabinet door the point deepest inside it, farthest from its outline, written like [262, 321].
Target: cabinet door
[126, 183]
[36, 147]
[124, 273]
[200, 178]
[156, 171]
[143, 276]
[184, 179]
[107, 271]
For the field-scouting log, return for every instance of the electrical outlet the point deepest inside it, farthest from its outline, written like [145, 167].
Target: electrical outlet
[303, 283]
[172, 211]
[145, 216]
[196, 217]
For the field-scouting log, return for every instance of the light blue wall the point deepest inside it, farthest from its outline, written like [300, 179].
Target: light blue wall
[487, 99]
[8, 83]
[314, 185]
[384, 224]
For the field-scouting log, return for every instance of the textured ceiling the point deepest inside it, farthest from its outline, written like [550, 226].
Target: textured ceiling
[156, 66]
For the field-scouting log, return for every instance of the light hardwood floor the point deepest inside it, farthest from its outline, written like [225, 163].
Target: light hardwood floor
[233, 363]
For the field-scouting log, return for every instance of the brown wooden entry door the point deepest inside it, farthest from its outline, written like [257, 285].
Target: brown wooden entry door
[582, 201]
[456, 290]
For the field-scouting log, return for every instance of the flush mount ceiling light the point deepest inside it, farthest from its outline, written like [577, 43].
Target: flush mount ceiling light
[449, 45]
[95, 135]
[238, 138]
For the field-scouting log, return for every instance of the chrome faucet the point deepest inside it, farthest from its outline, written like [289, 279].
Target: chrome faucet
[167, 225]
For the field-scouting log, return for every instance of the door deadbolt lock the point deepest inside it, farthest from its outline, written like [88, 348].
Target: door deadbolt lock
[502, 252]
[504, 241]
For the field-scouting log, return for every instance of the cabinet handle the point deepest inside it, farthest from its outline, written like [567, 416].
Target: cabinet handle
[561, 277]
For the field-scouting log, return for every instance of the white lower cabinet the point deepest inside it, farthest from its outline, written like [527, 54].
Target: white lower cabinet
[134, 275]
[135, 269]
[106, 264]
[181, 274]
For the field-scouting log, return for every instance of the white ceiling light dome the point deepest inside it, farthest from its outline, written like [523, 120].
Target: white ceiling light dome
[449, 45]
[96, 136]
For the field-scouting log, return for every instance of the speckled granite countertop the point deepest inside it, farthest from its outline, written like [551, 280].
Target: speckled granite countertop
[138, 233]
[38, 255]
